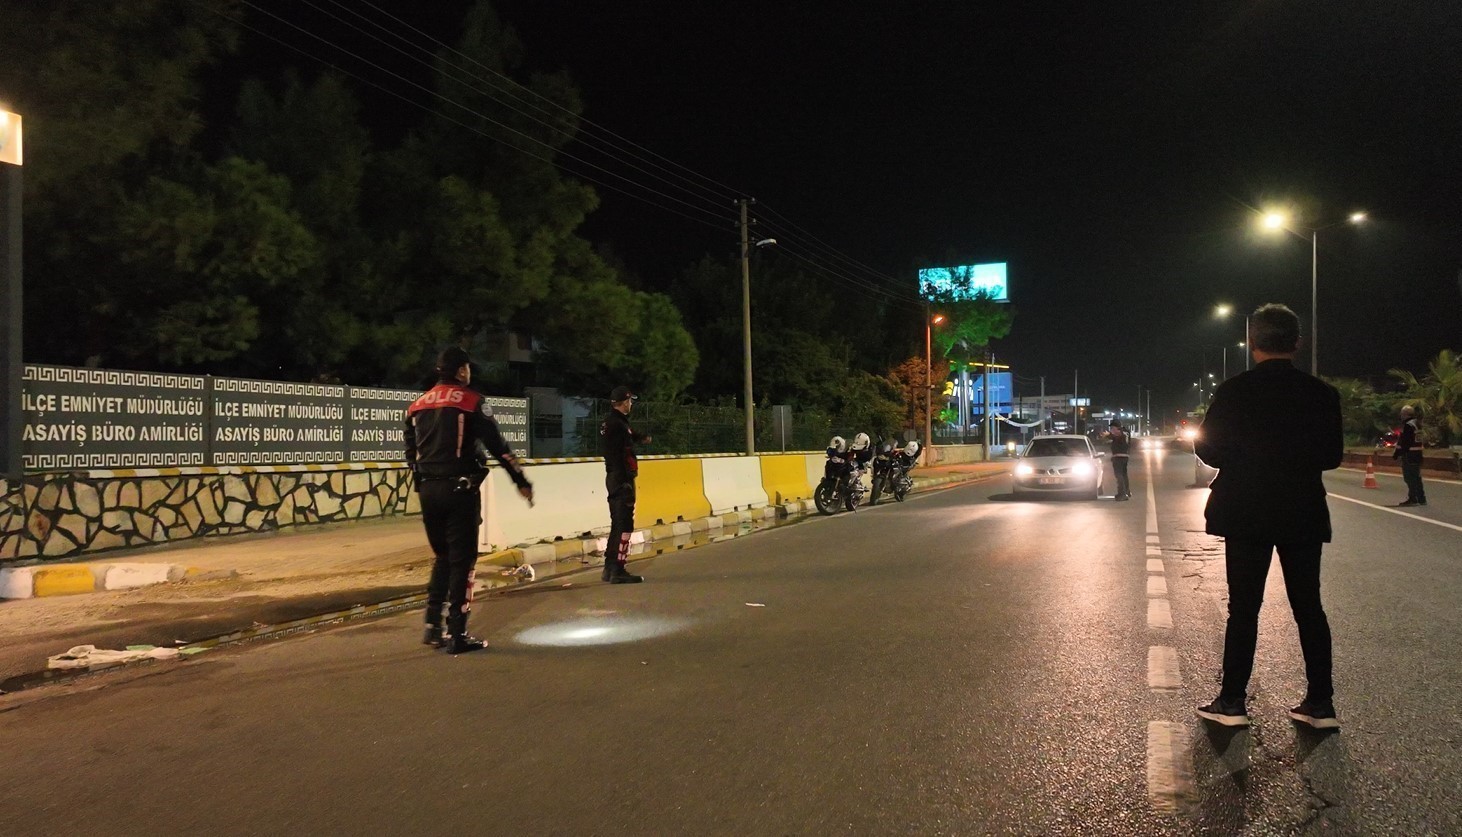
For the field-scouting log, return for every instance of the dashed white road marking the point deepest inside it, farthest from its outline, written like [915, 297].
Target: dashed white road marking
[1169, 777]
[1154, 565]
[1154, 551]
[1159, 614]
[1157, 586]
[1390, 510]
[1162, 668]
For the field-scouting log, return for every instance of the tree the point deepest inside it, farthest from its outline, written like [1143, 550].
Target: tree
[1437, 396]
[1363, 414]
[912, 380]
[971, 322]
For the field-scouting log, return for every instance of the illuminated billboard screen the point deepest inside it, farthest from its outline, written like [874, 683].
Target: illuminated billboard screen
[965, 281]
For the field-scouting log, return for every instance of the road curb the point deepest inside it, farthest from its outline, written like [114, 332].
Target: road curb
[44, 580]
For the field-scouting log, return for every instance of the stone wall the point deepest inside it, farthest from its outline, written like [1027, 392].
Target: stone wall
[66, 514]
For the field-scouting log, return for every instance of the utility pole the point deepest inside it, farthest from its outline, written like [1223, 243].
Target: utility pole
[746, 325]
[985, 397]
[1076, 401]
[1043, 403]
[12, 365]
[928, 377]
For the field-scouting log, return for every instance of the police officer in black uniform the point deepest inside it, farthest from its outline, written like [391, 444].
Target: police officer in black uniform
[449, 431]
[617, 443]
[1409, 450]
[1121, 456]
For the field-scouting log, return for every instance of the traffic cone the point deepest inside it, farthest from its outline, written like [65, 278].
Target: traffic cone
[1370, 474]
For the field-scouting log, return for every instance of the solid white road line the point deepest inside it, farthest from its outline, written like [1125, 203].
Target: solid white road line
[1162, 668]
[1159, 614]
[1154, 565]
[1390, 510]
[1169, 776]
[1157, 586]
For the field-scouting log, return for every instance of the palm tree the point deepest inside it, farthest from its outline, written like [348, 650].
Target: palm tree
[1438, 396]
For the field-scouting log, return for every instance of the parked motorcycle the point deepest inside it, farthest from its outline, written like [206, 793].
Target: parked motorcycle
[842, 480]
[891, 472]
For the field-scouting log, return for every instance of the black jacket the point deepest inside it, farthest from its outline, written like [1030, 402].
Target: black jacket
[617, 444]
[1271, 432]
[1410, 446]
[449, 431]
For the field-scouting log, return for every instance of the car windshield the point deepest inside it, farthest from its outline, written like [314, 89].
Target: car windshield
[1057, 447]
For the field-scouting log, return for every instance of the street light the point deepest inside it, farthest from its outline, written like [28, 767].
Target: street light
[928, 375]
[746, 245]
[1275, 220]
[1222, 310]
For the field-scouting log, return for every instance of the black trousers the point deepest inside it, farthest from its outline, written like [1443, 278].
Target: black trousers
[1411, 473]
[1119, 467]
[621, 522]
[1247, 562]
[451, 512]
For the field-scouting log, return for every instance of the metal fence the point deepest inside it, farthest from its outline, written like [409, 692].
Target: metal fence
[570, 427]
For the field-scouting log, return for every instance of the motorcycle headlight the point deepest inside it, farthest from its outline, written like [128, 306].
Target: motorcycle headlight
[1024, 470]
[1082, 469]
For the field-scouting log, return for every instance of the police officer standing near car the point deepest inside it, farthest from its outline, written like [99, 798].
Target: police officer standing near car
[1121, 456]
[449, 432]
[1409, 450]
[617, 442]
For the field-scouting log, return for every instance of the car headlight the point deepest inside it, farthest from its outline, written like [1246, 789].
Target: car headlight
[1024, 470]
[1082, 469]
[1191, 433]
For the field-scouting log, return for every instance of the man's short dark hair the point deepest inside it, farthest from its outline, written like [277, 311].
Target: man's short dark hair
[450, 360]
[1275, 329]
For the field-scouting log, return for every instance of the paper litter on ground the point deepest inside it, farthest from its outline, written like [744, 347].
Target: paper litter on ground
[89, 656]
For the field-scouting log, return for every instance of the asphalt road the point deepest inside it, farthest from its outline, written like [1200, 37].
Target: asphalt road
[962, 663]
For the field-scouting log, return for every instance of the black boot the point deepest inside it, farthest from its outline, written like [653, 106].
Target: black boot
[458, 640]
[608, 569]
[433, 636]
[619, 575]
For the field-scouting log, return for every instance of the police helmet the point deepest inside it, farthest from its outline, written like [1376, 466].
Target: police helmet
[911, 449]
[860, 442]
[838, 444]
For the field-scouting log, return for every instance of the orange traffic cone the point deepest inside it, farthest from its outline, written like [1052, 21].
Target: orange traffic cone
[1370, 474]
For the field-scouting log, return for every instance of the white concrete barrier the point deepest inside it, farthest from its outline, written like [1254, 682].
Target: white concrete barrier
[569, 499]
[733, 484]
[816, 462]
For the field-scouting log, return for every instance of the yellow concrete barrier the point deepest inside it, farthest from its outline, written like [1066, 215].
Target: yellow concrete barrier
[65, 580]
[784, 476]
[669, 490]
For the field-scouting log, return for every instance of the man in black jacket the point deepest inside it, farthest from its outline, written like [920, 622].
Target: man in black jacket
[1409, 450]
[1271, 433]
[617, 443]
[449, 431]
[1121, 455]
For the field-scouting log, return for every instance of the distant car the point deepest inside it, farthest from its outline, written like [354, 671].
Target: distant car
[1389, 438]
[1058, 465]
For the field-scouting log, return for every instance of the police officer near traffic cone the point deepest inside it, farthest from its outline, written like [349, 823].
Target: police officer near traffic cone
[1409, 450]
[617, 442]
[449, 432]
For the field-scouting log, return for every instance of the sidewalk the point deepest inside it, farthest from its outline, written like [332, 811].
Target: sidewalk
[262, 580]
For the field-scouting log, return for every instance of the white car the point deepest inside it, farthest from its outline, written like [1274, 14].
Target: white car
[1058, 465]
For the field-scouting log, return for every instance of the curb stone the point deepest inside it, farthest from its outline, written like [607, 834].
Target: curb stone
[42, 580]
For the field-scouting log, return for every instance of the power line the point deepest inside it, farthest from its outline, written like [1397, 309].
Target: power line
[582, 137]
[474, 112]
[498, 140]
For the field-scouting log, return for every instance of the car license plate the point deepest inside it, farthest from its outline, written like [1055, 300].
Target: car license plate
[1049, 481]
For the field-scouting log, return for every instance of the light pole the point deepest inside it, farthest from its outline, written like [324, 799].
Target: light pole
[746, 319]
[1222, 311]
[1279, 220]
[929, 373]
[11, 321]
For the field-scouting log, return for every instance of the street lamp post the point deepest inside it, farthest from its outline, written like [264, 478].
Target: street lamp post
[746, 320]
[929, 374]
[1279, 220]
[11, 321]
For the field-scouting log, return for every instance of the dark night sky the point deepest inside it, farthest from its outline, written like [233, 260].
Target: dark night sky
[1112, 154]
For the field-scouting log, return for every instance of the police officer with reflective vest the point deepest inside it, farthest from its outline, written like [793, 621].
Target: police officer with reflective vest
[449, 432]
[1409, 450]
[617, 442]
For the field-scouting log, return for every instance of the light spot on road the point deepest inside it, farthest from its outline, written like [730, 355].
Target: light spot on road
[599, 631]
